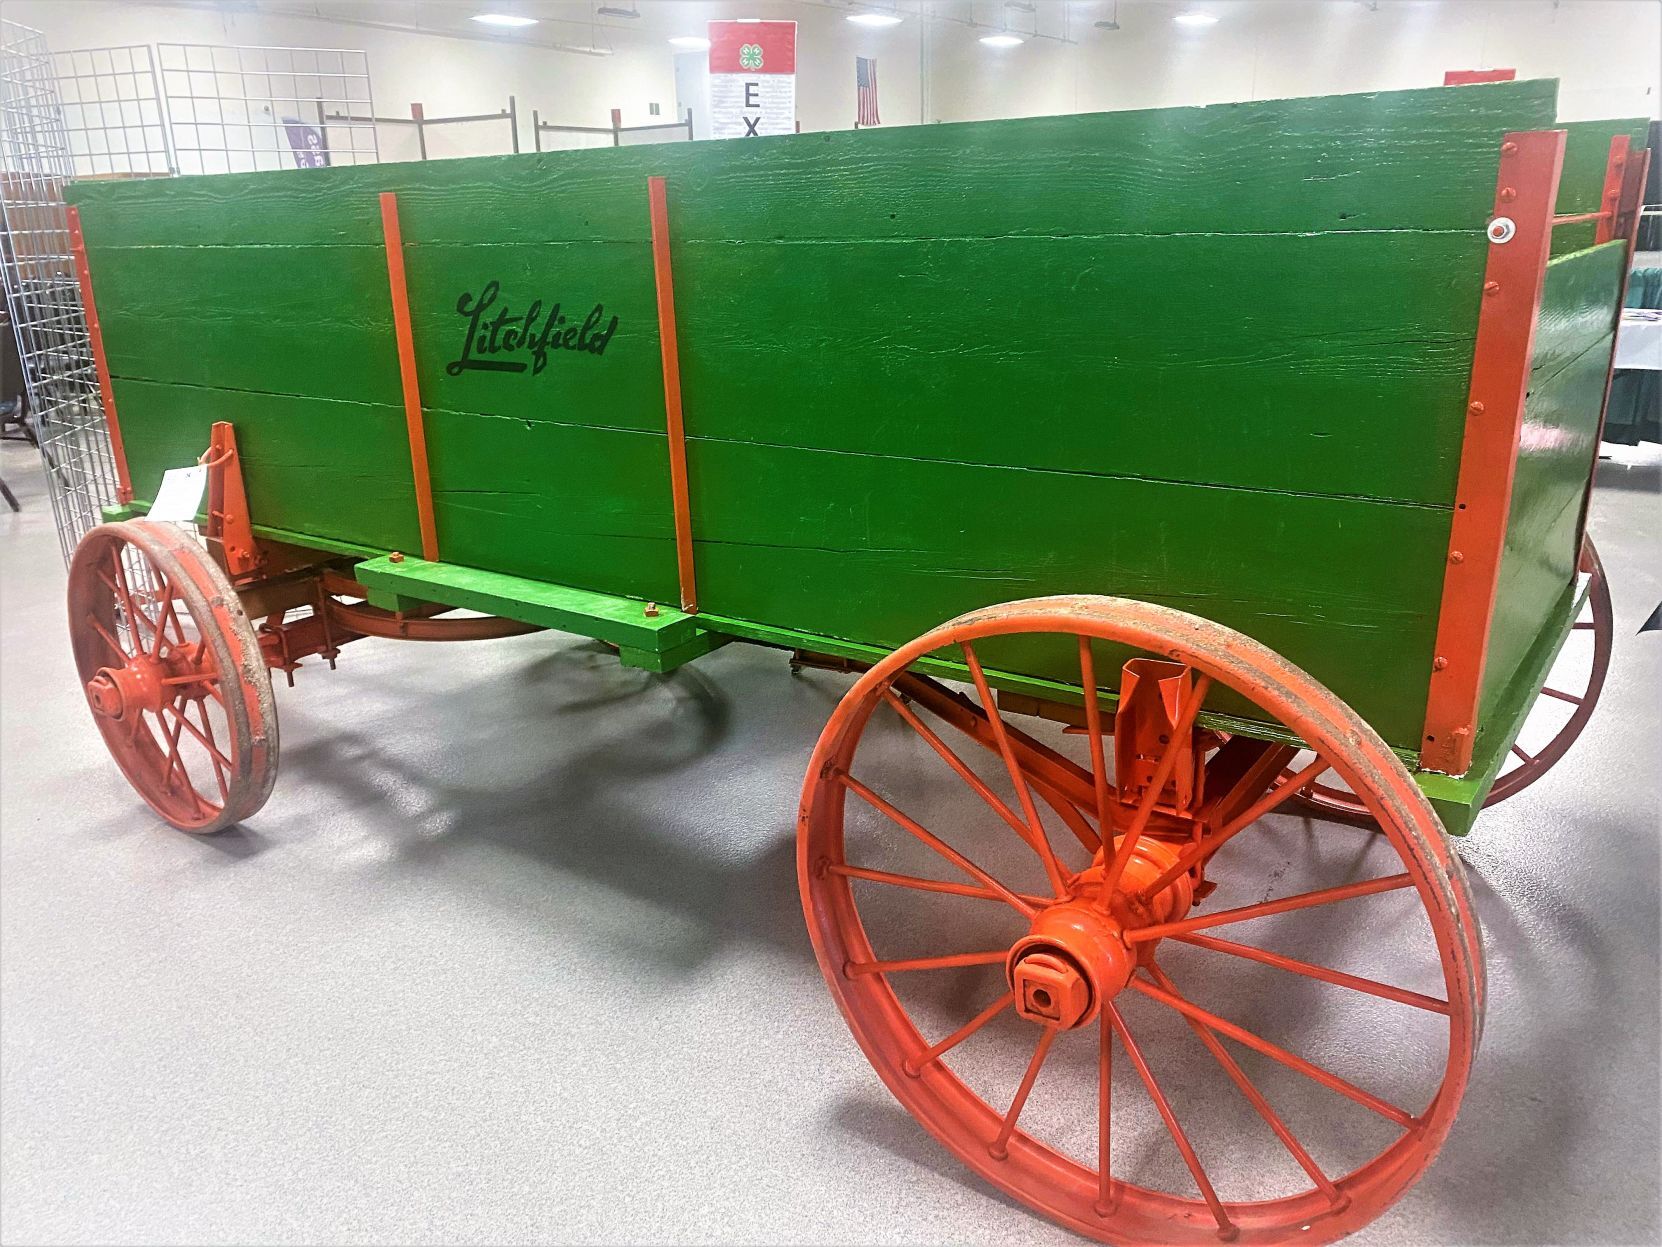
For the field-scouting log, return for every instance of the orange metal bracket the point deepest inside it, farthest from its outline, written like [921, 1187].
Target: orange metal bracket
[1525, 191]
[230, 530]
[658, 205]
[1152, 694]
[95, 336]
[1615, 170]
[407, 376]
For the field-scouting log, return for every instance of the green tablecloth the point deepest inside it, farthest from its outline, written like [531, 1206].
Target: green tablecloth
[1635, 411]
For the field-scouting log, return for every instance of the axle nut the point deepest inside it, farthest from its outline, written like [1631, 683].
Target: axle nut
[1050, 990]
[105, 695]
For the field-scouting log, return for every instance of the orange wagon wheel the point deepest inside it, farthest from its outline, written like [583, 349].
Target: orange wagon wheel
[1555, 721]
[173, 673]
[1058, 1016]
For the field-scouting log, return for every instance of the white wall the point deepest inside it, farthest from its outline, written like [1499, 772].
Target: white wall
[1608, 54]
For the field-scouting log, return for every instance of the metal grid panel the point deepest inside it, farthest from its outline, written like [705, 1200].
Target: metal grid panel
[244, 109]
[36, 159]
[112, 111]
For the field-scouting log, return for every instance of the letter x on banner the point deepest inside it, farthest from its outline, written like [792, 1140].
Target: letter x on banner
[752, 79]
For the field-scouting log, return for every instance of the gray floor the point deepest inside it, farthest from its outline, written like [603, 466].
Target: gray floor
[515, 954]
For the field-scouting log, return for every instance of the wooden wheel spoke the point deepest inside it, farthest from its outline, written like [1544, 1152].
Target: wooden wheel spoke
[1256, 1098]
[923, 834]
[1304, 900]
[926, 885]
[197, 732]
[1037, 837]
[1562, 696]
[125, 589]
[1093, 728]
[1070, 814]
[104, 633]
[1277, 1053]
[1210, 844]
[1371, 986]
[1105, 1116]
[914, 1065]
[173, 759]
[1524, 757]
[208, 731]
[168, 614]
[958, 765]
[951, 961]
[1226, 1228]
[1000, 1146]
[1162, 772]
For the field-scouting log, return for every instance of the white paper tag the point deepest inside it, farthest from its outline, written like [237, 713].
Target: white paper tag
[180, 497]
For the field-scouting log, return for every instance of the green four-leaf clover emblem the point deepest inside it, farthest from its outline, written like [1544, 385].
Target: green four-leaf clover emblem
[750, 56]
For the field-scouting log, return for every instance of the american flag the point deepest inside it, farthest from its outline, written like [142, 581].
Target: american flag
[865, 83]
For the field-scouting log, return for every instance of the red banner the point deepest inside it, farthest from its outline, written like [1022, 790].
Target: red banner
[1469, 77]
[752, 47]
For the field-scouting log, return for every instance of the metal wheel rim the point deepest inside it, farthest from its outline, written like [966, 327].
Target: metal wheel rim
[1051, 1183]
[1339, 803]
[155, 749]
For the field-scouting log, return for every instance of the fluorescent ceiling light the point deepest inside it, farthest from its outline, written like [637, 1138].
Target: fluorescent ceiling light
[875, 19]
[1004, 40]
[696, 42]
[1195, 19]
[504, 19]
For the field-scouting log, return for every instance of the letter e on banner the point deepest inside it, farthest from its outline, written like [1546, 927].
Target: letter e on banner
[752, 78]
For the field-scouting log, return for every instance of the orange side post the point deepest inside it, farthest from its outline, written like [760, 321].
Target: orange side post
[230, 528]
[680, 495]
[407, 376]
[95, 336]
[1520, 243]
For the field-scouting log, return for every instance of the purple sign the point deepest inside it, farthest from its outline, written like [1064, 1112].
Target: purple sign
[307, 142]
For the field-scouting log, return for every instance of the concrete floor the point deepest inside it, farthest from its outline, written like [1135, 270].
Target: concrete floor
[515, 954]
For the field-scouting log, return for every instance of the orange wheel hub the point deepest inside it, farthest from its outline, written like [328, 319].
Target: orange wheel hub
[1075, 955]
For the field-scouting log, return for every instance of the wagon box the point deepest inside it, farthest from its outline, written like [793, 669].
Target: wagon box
[1251, 442]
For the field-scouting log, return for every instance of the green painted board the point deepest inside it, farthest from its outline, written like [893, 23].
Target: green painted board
[1558, 445]
[1581, 181]
[621, 621]
[1210, 357]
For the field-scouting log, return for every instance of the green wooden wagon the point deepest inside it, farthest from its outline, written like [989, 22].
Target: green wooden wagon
[1244, 451]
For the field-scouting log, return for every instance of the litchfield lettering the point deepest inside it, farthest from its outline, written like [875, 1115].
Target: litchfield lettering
[499, 343]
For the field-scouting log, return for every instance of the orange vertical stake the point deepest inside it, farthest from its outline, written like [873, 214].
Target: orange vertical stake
[95, 338]
[1509, 301]
[407, 376]
[679, 494]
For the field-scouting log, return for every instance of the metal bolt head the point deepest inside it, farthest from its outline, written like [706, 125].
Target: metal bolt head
[1507, 194]
[1502, 230]
[397, 556]
[1440, 663]
[1491, 287]
[1508, 149]
[1455, 556]
[1475, 407]
[651, 611]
